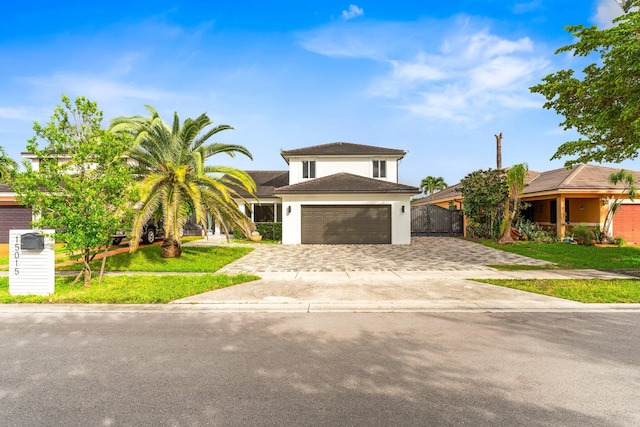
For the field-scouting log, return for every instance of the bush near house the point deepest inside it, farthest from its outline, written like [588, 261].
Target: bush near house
[268, 231]
[583, 235]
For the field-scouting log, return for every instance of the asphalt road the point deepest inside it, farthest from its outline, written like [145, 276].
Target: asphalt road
[325, 369]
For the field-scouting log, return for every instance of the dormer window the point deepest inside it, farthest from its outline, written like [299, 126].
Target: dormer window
[308, 169]
[379, 168]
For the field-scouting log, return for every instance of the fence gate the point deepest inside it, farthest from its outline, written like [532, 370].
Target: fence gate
[434, 220]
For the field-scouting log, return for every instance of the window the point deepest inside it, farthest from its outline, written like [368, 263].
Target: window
[309, 169]
[263, 213]
[379, 168]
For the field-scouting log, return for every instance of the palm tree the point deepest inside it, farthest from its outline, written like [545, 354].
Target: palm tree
[516, 177]
[7, 166]
[431, 184]
[174, 180]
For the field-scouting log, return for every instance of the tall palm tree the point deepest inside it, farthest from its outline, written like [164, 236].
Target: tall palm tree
[7, 166]
[173, 178]
[430, 185]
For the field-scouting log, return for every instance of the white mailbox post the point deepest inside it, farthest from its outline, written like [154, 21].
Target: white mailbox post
[31, 262]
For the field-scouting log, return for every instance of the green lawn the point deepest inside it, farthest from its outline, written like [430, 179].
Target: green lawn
[195, 259]
[138, 289]
[141, 288]
[588, 291]
[568, 256]
[576, 256]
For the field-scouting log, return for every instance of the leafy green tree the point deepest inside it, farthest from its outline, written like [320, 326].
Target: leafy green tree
[80, 182]
[173, 177]
[515, 179]
[7, 166]
[627, 180]
[603, 103]
[429, 185]
[485, 193]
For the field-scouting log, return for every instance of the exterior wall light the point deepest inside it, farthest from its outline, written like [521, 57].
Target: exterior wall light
[402, 209]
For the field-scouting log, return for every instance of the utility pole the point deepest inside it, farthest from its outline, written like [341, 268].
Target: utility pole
[499, 151]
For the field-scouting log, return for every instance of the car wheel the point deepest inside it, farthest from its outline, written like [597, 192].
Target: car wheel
[117, 240]
[150, 236]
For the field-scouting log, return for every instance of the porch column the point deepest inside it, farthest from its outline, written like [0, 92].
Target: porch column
[561, 222]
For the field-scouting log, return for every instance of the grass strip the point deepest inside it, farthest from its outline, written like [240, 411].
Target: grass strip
[135, 289]
[581, 290]
[575, 256]
[194, 259]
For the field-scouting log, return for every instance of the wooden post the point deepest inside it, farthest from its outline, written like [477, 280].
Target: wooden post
[499, 151]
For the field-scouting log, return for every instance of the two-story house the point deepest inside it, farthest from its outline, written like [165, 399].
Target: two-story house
[337, 193]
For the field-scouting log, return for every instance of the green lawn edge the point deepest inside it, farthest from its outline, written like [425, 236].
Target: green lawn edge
[128, 289]
[604, 291]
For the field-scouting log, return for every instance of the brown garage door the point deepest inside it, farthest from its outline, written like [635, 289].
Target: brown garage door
[344, 224]
[13, 217]
[626, 223]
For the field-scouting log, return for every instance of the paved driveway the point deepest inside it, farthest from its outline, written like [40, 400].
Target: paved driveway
[424, 254]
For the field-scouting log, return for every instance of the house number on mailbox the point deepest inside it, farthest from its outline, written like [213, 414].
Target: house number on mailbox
[16, 255]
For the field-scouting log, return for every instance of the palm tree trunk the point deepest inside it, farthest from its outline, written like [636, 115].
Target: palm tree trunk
[170, 248]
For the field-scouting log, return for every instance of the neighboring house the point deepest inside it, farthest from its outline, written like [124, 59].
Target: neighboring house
[337, 193]
[12, 215]
[562, 198]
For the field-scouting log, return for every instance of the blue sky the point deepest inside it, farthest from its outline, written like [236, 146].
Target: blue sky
[436, 78]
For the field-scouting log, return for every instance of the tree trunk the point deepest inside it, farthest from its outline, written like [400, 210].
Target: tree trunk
[170, 248]
[506, 238]
[85, 273]
[104, 262]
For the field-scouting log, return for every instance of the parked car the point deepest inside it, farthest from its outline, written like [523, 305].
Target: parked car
[150, 233]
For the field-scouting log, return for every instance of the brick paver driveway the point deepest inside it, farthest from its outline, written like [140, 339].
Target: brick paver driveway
[424, 254]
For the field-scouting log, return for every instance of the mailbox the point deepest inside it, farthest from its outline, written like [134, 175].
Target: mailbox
[32, 242]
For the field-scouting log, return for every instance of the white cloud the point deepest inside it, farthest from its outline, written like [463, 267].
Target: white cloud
[472, 78]
[455, 70]
[353, 12]
[606, 12]
[16, 113]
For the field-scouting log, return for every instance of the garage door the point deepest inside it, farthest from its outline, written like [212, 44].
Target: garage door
[626, 223]
[343, 224]
[13, 217]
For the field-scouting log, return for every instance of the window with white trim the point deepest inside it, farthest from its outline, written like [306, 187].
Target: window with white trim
[308, 169]
[379, 168]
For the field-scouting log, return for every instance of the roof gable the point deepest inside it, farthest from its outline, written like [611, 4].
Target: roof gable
[346, 183]
[579, 178]
[343, 149]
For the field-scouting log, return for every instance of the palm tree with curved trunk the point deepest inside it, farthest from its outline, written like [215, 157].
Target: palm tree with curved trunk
[172, 176]
[431, 184]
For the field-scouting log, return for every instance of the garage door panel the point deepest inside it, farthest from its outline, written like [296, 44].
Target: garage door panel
[344, 224]
[626, 223]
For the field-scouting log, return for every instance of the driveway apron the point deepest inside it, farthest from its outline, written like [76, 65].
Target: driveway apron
[424, 254]
[428, 275]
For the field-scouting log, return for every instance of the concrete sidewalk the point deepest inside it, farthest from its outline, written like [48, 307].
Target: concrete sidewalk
[394, 291]
[431, 274]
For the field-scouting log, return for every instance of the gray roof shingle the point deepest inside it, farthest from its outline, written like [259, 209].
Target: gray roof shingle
[342, 149]
[266, 182]
[346, 183]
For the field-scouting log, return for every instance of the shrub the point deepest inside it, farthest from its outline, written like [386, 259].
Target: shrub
[620, 241]
[583, 235]
[270, 230]
[534, 232]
